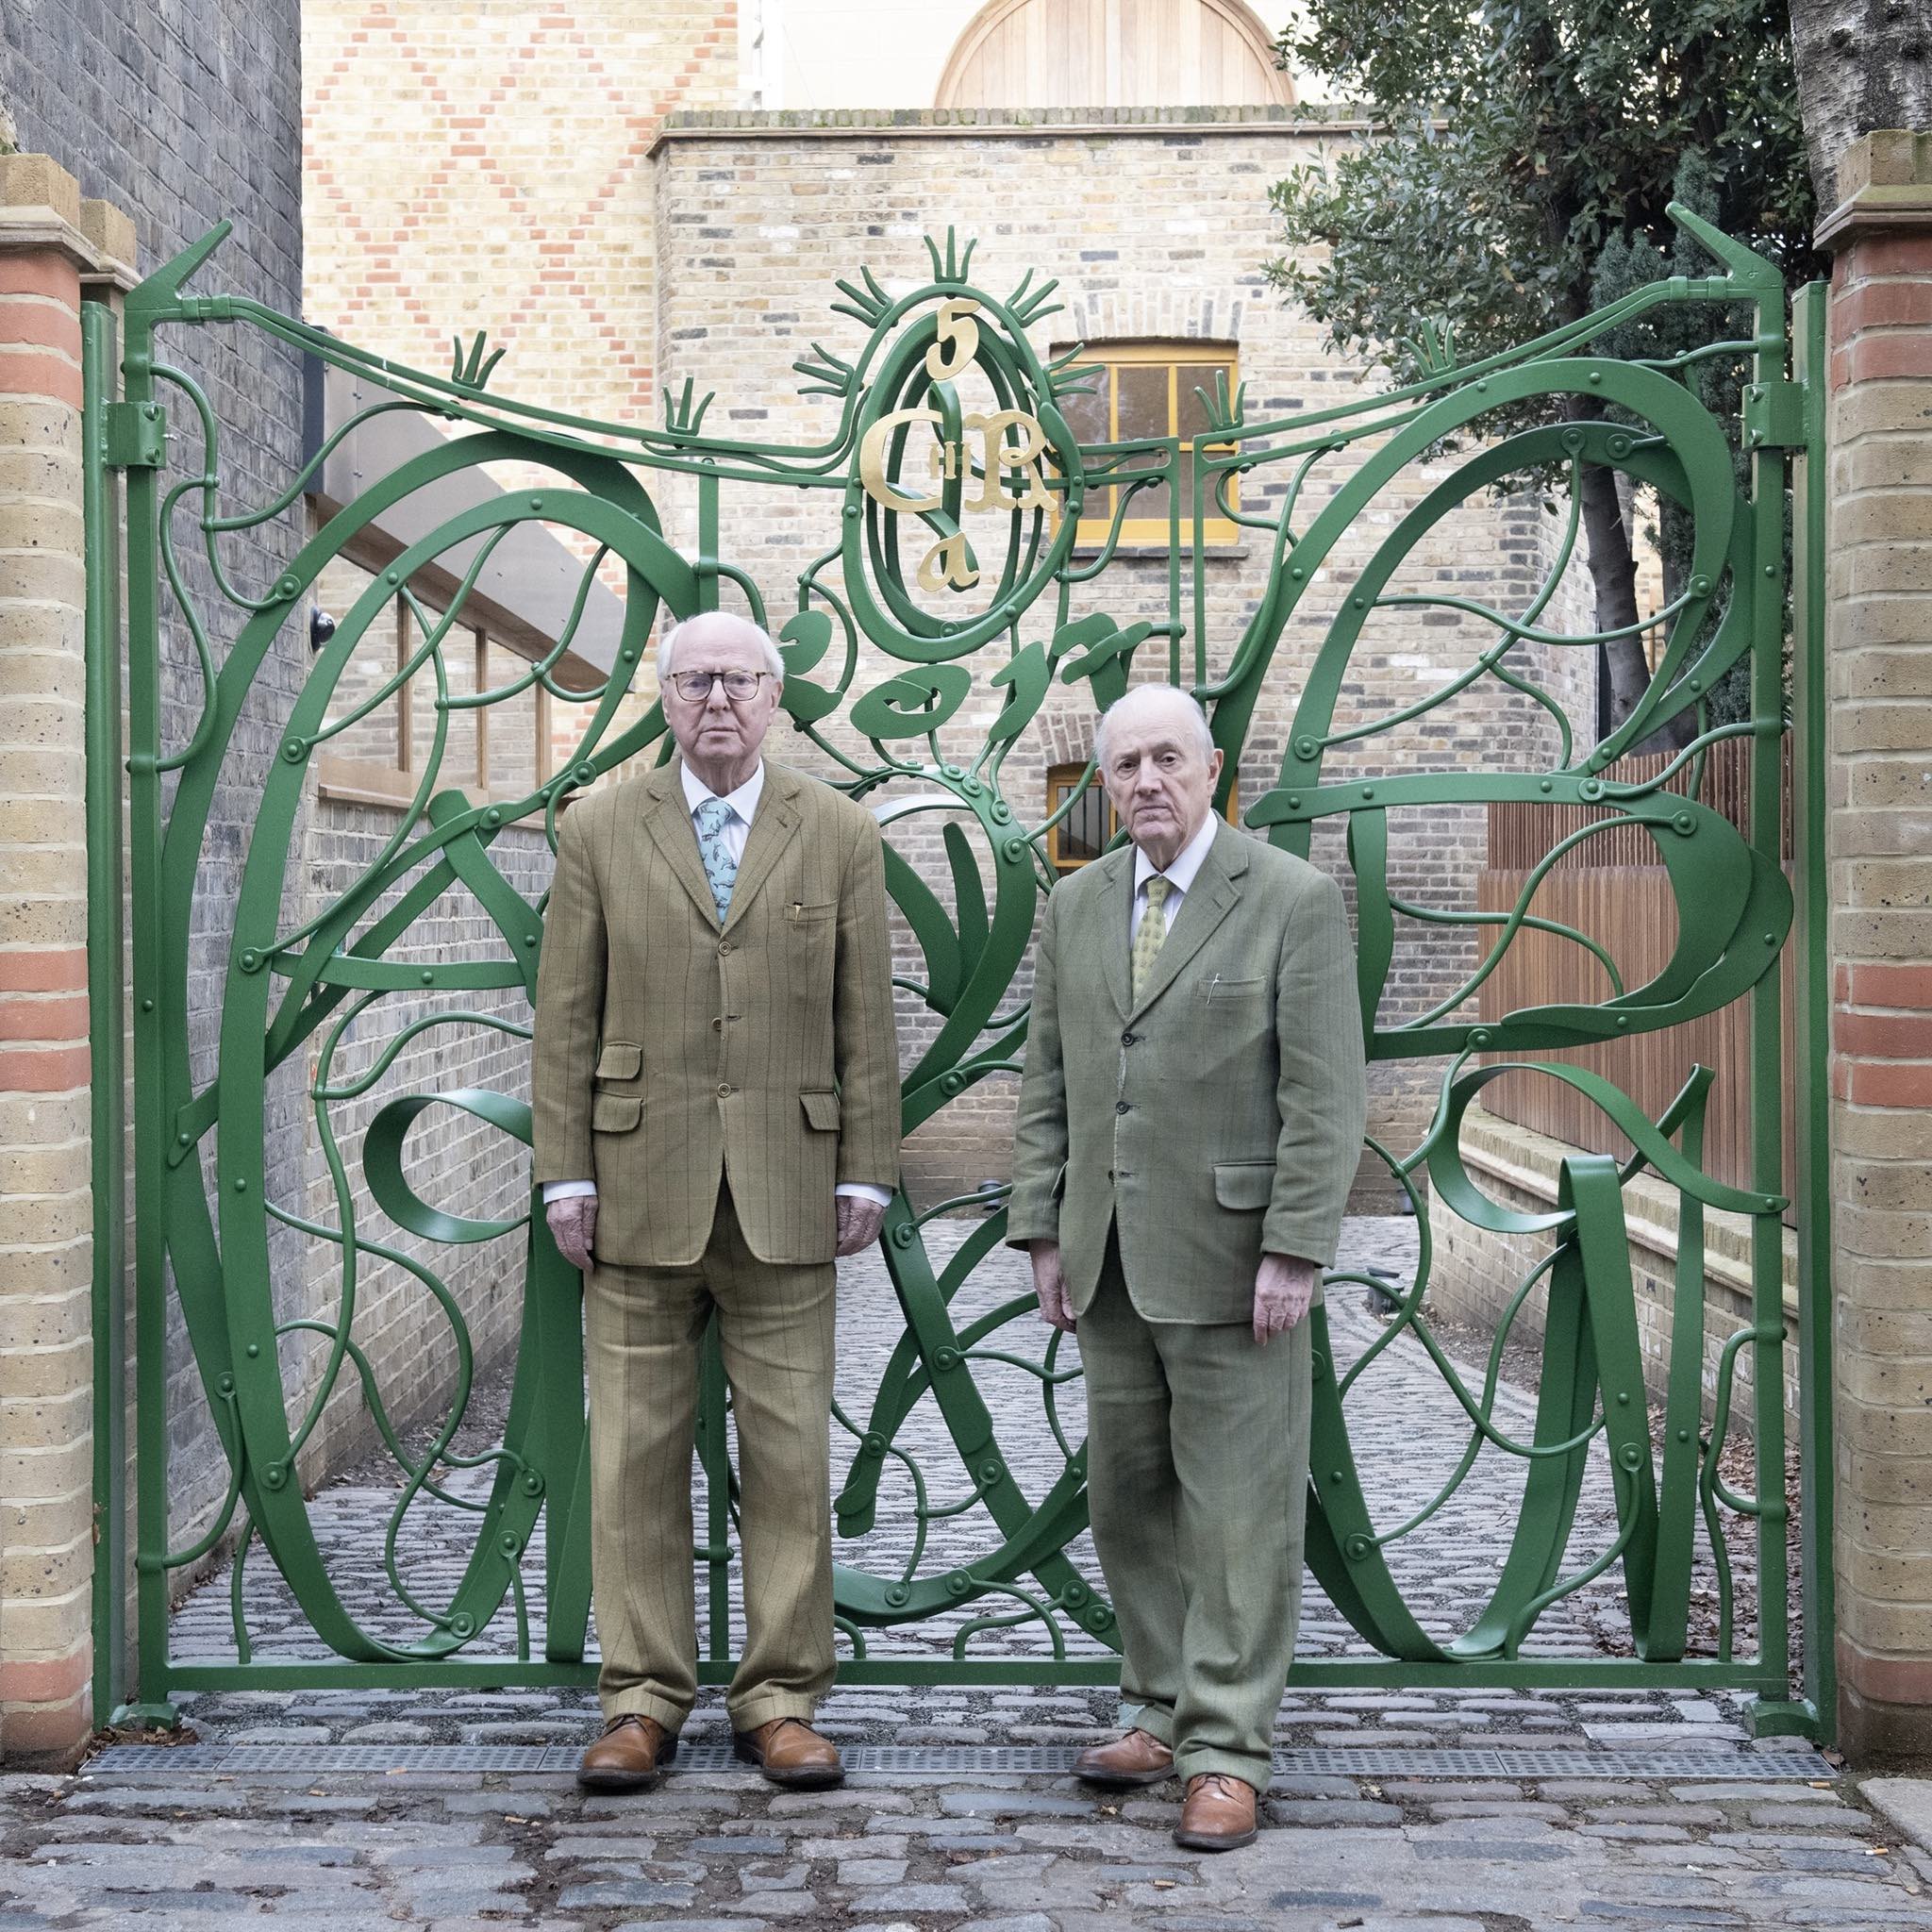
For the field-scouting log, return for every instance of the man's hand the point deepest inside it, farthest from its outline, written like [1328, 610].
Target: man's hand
[858, 1222]
[1283, 1290]
[573, 1228]
[1050, 1285]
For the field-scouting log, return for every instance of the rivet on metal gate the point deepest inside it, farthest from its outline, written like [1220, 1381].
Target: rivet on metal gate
[509, 1542]
[1014, 849]
[1630, 1456]
[1481, 387]
[1294, 802]
[999, 812]
[226, 1384]
[1357, 1548]
[533, 1482]
[1297, 573]
[1591, 788]
[904, 1235]
[536, 503]
[275, 1475]
[897, 1596]
[958, 1583]
[1699, 586]
[1623, 1021]
[585, 774]
[1318, 1363]
[250, 961]
[529, 939]
[873, 1445]
[240, 1185]
[1596, 375]
[392, 576]
[147, 1006]
[1770, 938]
[493, 816]
[1546, 786]
[851, 510]
[1074, 1594]
[1683, 1435]
[1478, 1036]
[628, 657]
[463, 1624]
[1305, 747]
[1334, 1476]
[254, 1350]
[1623, 1398]
[184, 1139]
[1695, 683]
[1684, 822]
[1368, 791]
[952, 1082]
[428, 978]
[287, 588]
[294, 751]
[1618, 446]
[991, 1469]
[1770, 570]
[946, 1360]
[1099, 1617]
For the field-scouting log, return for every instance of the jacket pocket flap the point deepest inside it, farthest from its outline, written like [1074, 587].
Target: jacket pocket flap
[1248, 1184]
[620, 1060]
[821, 1111]
[615, 1113]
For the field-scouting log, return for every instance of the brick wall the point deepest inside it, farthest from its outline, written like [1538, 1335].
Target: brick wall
[1879, 722]
[48, 238]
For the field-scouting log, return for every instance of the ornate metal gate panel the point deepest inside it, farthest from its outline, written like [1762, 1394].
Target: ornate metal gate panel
[952, 495]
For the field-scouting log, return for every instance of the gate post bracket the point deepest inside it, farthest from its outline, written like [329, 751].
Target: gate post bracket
[137, 436]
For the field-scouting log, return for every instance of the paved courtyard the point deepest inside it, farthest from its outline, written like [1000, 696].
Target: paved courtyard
[351, 1808]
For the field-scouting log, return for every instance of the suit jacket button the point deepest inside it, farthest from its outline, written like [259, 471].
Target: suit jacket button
[724, 945]
[1126, 1040]
[1119, 1107]
[723, 1091]
[1109, 1174]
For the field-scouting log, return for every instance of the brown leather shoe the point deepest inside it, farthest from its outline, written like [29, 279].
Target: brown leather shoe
[792, 1754]
[629, 1754]
[1136, 1759]
[1218, 1814]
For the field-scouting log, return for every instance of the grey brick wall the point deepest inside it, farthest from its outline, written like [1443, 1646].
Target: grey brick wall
[184, 113]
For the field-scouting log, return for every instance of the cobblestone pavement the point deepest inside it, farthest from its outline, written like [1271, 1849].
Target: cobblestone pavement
[952, 1850]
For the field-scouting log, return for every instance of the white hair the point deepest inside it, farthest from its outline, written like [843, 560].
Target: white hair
[1142, 697]
[774, 661]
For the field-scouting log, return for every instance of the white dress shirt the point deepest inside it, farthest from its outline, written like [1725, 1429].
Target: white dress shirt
[737, 829]
[1180, 876]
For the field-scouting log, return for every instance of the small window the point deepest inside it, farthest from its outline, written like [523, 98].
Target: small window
[1154, 389]
[1091, 827]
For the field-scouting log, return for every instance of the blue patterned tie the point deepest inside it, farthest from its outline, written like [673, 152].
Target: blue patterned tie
[720, 869]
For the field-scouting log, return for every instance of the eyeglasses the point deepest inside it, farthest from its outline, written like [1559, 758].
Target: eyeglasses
[694, 686]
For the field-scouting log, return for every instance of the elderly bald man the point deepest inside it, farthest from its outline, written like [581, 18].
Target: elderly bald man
[717, 1117]
[1189, 1120]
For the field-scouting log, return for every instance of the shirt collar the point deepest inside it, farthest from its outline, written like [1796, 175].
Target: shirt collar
[745, 801]
[1180, 874]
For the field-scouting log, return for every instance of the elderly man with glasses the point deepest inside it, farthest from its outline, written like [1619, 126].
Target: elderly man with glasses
[717, 1117]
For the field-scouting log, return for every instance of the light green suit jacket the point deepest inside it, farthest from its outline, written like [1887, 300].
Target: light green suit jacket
[1218, 1116]
[670, 1050]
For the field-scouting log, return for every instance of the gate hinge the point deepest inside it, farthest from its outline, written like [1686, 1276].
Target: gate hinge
[137, 436]
[1774, 415]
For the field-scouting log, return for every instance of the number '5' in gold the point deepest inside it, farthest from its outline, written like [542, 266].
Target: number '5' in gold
[958, 342]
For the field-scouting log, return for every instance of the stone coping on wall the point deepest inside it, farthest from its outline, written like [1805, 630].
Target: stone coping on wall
[41, 206]
[808, 124]
[1521, 1158]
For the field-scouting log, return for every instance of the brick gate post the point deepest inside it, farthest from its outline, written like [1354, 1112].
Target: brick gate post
[50, 241]
[1878, 646]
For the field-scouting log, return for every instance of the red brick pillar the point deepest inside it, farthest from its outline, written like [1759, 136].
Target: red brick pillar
[50, 240]
[1878, 644]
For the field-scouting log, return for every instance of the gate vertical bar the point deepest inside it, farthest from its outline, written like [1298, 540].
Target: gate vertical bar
[106, 1008]
[150, 1090]
[1769, 462]
[1811, 1180]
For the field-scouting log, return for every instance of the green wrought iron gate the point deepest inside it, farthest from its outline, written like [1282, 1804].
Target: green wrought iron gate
[966, 533]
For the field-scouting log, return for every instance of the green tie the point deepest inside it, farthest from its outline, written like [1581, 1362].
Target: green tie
[1152, 931]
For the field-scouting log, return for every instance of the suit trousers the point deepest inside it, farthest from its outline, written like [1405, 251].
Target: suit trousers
[642, 1328]
[1197, 1467]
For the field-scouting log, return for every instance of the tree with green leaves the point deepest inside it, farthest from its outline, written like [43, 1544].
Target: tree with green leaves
[1524, 154]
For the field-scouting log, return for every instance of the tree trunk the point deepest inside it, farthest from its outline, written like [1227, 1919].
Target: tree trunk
[1614, 573]
[1862, 65]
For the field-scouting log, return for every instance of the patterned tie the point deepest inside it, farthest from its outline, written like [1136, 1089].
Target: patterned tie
[720, 869]
[1152, 931]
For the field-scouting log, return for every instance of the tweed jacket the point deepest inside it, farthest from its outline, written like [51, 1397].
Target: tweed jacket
[1218, 1116]
[670, 1050]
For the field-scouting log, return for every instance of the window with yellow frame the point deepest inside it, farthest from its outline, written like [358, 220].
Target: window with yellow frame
[1090, 827]
[1147, 389]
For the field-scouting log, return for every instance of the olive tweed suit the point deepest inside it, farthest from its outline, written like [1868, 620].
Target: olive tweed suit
[1167, 1140]
[717, 1080]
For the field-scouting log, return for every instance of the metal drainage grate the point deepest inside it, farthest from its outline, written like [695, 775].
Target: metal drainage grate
[1053, 1760]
